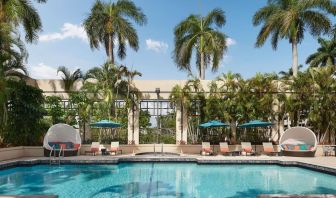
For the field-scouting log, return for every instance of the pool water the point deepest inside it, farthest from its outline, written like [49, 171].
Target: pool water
[164, 180]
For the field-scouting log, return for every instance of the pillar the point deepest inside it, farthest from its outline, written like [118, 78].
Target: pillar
[181, 125]
[133, 125]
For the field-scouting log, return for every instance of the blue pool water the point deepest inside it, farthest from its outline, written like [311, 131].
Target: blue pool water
[163, 180]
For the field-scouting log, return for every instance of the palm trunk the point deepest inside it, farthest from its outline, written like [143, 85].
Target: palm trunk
[110, 50]
[234, 131]
[202, 67]
[295, 63]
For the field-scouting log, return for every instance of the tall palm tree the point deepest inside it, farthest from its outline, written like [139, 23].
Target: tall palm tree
[109, 25]
[288, 19]
[200, 34]
[325, 55]
[69, 78]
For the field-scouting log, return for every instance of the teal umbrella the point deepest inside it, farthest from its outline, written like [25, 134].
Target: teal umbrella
[106, 124]
[255, 123]
[213, 123]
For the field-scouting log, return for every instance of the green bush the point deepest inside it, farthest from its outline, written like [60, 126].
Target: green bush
[25, 124]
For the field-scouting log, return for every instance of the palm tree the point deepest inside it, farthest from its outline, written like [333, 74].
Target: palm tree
[108, 25]
[14, 13]
[200, 34]
[231, 85]
[11, 66]
[69, 78]
[325, 55]
[288, 19]
[130, 75]
[288, 74]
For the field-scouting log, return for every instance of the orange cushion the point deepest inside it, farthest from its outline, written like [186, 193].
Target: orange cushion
[224, 150]
[248, 150]
[114, 148]
[63, 146]
[94, 149]
[296, 148]
[207, 150]
[268, 149]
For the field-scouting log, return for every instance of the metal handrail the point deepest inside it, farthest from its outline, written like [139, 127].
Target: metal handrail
[50, 154]
[59, 155]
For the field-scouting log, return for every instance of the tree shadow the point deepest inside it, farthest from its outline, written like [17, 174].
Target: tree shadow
[143, 189]
[254, 192]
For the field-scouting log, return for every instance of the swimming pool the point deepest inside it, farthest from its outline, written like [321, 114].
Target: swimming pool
[164, 180]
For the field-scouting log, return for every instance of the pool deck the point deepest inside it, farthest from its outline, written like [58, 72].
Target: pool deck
[323, 164]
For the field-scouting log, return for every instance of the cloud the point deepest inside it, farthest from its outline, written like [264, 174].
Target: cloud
[156, 46]
[230, 42]
[43, 71]
[68, 31]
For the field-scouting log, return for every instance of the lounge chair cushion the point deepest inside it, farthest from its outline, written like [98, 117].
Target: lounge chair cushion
[248, 150]
[303, 147]
[224, 150]
[63, 146]
[114, 148]
[76, 146]
[290, 147]
[268, 149]
[94, 149]
[207, 150]
[297, 148]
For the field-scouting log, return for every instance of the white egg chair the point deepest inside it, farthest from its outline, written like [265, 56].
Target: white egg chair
[298, 141]
[62, 136]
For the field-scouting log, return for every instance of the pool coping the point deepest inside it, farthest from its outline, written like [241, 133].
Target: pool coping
[200, 161]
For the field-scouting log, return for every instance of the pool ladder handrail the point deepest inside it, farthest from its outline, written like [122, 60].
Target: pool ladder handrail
[52, 158]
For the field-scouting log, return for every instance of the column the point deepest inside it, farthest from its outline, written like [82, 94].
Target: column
[133, 125]
[181, 125]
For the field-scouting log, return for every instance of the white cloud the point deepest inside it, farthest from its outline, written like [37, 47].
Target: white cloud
[43, 71]
[68, 31]
[230, 42]
[157, 46]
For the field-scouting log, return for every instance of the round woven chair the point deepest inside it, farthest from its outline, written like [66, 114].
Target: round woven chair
[298, 141]
[62, 136]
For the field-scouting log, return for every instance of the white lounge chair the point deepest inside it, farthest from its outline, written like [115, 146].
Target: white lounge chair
[115, 148]
[206, 149]
[224, 148]
[247, 148]
[94, 148]
[268, 149]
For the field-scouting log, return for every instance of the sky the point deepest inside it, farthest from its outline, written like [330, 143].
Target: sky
[63, 41]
